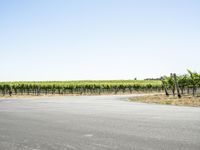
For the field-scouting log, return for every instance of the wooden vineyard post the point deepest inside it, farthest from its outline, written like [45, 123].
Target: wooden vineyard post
[177, 87]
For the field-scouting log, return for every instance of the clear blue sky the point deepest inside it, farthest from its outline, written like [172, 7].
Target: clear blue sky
[98, 39]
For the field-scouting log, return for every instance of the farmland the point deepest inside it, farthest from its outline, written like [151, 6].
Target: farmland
[183, 90]
[90, 87]
[188, 83]
[174, 85]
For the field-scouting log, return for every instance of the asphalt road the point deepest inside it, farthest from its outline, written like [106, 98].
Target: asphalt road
[96, 123]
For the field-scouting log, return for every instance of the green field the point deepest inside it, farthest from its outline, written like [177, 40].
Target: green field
[79, 87]
[171, 85]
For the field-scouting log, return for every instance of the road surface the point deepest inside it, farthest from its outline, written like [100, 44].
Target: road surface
[96, 123]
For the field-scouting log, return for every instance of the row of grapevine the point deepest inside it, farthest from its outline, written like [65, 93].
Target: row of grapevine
[183, 84]
[79, 87]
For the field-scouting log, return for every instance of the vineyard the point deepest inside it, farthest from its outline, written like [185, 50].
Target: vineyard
[171, 85]
[181, 85]
[80, 87]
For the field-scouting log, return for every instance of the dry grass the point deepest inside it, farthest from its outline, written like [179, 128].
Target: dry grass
[186, 100]
[19, 96]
